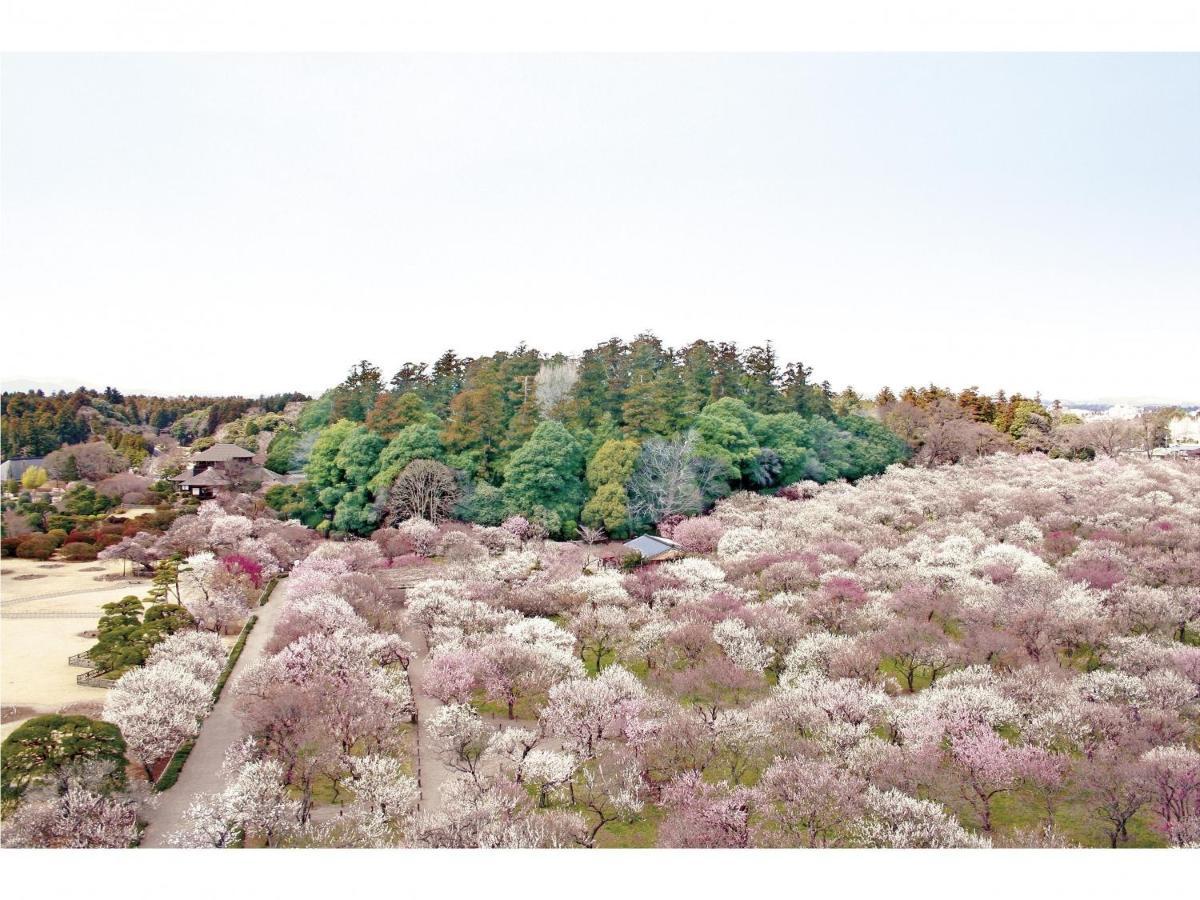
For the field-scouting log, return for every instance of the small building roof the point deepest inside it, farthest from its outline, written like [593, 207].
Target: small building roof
[182, 476]
[208, 478]
[223, 453]
[14, 467]
[260, 474]
[651, 546]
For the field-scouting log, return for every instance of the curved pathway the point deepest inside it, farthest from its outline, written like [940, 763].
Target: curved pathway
[220, 731]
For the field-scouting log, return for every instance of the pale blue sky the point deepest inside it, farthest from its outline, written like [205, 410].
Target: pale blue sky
[252, 224]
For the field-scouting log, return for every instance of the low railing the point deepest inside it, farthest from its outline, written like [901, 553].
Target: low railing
[82, 660]
[95, 678]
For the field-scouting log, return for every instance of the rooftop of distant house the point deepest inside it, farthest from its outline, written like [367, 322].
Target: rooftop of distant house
[651, 546]
[223, 453]
[14, 467]
[207, 478]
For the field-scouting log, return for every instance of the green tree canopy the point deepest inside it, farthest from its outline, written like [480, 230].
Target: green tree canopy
[345, 457]
[38, 749]
[608, 508]
[33, 478]
[394, 412]
[422, 440]
[547, 472]
[724, 432]
[613, 462]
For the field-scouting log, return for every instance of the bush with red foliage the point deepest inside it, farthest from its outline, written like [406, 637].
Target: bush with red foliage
[36, 546]
[79, 551]
[237, 564]
[104, 540]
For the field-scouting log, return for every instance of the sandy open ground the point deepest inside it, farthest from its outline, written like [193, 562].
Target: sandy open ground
[41, 621]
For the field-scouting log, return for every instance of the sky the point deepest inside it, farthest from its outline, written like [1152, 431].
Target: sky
[252, 224]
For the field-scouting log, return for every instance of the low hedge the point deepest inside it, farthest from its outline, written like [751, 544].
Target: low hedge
[234, 654]
[170, 774]
[270, 589]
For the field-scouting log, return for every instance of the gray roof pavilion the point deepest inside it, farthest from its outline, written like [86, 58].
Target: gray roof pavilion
[651, 546]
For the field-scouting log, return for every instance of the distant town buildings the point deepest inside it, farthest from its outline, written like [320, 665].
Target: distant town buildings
[1185, 429]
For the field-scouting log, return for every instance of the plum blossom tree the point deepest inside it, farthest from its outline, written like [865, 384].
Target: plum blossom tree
[894, 819]
[585, 711]
[806, 802]
[156, 707]
[548, 770]
[986, 766]
[607, 792]
[79, 814]
[255, 802]
[1174, 773]
[461, 737]
[600, 630]
[383, 790]
[1119, 787]
[742, 645]
[700, 814]
[452, 675]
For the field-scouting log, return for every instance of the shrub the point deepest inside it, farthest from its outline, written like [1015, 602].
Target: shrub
[81, 537]
[9, 545]
[59, 535]
[36, 546]
[79, 551]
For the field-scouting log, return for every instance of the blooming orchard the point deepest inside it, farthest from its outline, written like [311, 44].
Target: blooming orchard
[1004, 652]
[1000, 652]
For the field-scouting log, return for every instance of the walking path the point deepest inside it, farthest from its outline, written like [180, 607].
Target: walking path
[220, 731]
[432, 773]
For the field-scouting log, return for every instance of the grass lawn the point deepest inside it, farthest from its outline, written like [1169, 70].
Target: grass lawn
[641, 833]
[1075, 820]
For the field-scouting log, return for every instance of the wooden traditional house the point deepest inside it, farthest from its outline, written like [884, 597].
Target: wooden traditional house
[223, 467]
[203, 484]
[221, 455]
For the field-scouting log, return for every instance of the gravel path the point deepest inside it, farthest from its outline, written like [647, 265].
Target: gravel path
[220, 731]
[431, 771]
